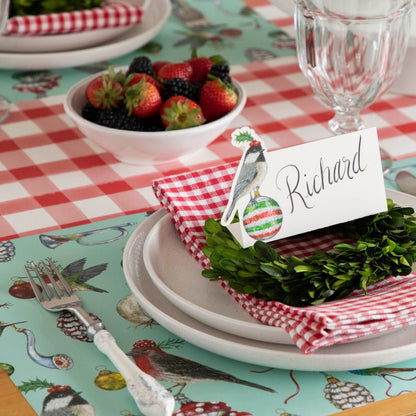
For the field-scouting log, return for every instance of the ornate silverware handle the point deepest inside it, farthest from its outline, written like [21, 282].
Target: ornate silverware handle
[151, 398]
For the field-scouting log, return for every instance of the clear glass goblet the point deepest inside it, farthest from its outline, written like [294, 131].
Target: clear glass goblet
[4, 15]
[351, 51]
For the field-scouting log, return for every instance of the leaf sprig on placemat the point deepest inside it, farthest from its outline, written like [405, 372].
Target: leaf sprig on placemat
[33, 385]
[385, 245]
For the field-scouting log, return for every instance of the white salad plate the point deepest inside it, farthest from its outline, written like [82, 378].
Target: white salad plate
[178, 277]
[154, 18]
[370, 352]
[66, 41]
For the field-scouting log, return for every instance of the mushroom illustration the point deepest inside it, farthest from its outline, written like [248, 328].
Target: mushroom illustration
[208, 409]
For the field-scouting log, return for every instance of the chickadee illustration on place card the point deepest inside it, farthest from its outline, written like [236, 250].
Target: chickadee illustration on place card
[290, 191]
[262, 216]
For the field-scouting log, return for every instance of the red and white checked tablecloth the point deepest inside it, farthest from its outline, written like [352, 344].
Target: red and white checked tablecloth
[52, 177]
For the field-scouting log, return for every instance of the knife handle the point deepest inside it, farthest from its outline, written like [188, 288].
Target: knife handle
[151, 398]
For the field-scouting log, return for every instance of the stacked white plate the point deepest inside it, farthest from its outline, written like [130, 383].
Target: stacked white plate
[75, 49]
[167, 282]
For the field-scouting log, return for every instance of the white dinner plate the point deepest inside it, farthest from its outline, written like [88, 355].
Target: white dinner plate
[383, 350]
[153, 20]
[66, 41]
[178, 276]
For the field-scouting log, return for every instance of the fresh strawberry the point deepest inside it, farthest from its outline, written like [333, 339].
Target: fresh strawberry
[179, 112]
[200, 68]
[137, 77]
[157, 65]
[143, 99]
[175, 70]
[217, 99]
[106, 91]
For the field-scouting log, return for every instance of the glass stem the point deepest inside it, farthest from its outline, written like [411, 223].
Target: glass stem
[346, 122]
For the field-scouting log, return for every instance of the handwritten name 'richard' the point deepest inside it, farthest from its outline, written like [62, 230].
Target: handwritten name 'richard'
[300, 186]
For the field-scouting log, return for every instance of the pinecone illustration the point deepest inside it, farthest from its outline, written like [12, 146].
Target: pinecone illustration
[7, 251]
[70, 325]
[346, 394]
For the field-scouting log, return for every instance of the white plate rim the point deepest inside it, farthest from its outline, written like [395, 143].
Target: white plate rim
[368, 353]
[154, 19]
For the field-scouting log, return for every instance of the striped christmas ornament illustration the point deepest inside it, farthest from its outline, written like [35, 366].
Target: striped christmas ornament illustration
[262, 218]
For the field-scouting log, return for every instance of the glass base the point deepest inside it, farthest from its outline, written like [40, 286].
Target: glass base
[386, 162]
[343, 123]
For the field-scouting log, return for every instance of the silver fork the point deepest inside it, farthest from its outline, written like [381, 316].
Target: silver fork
[151, 398]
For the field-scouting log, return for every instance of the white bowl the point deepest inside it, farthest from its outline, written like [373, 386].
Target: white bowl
[147, 148]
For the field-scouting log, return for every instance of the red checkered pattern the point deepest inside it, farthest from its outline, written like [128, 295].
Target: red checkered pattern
[191, 198]
[273, 14]
[51, 176]
[110, 15]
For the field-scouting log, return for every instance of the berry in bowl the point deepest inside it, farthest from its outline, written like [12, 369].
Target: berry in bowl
[151, 113]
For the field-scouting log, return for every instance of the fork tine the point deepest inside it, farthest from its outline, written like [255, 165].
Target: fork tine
[35, 287]
[49, 273]
[62, 280]
[42, 282]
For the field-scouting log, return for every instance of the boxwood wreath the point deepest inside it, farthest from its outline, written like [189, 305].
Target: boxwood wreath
[385, 245]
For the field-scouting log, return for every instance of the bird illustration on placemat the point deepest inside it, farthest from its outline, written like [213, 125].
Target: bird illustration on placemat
[65, 401]
[164, 366]
[76, 275]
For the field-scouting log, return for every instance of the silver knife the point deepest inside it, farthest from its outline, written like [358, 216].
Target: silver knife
[406, 181]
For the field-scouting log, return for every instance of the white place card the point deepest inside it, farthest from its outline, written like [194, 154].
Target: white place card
[302, 188]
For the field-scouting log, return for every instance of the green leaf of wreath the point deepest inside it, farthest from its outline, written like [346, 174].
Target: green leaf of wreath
[385, 245]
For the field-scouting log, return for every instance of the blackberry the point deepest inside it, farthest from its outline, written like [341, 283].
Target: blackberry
[222, 72]
[117, 119]
[90, 113]
[134, 123]
[154, 124]
[178, 86]
[109, 118]
[195, 91]
[141, 64]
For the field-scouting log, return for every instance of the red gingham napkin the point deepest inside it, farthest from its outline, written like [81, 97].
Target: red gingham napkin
[193, 197]
[107, 16]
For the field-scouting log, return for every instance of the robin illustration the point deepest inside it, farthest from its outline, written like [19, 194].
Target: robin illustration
[65, 401]
[168, 367]
[253, 169]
